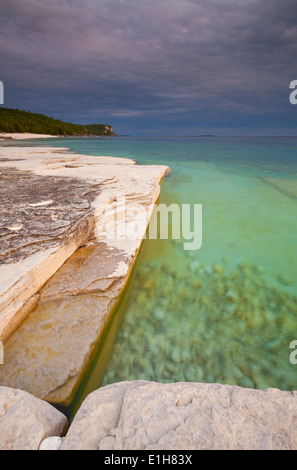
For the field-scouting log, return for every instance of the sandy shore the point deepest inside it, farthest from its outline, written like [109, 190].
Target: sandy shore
[24, 136]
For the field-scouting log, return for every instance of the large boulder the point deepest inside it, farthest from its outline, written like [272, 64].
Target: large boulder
[25, 421]
[145, 415]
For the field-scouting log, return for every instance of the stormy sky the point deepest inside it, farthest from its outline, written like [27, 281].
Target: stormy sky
[153, 67]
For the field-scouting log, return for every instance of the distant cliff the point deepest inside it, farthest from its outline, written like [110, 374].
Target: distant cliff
[99, 129]
[15, 120]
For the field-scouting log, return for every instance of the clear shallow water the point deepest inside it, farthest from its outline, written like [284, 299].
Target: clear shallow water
[226, 313]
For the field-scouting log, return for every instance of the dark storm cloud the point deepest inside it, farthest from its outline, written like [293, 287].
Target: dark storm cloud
[200, 63]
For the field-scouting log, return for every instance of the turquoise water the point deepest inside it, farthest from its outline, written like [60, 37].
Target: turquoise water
[226, 313]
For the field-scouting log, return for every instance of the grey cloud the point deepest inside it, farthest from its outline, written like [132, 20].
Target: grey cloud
[136, 58]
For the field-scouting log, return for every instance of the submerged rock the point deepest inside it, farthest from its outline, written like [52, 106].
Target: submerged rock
[285, 186]
[231, 296]
[222, 331]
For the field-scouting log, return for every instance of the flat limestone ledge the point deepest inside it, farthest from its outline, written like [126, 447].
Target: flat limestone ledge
[51, 201]
[152, 416]
[50, 351]
[25, 421]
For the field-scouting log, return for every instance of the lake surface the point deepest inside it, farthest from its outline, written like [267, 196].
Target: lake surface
[227, 312]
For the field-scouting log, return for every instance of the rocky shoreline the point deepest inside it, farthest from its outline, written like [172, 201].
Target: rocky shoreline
[62, 206]
[61, 277]
[151, 416]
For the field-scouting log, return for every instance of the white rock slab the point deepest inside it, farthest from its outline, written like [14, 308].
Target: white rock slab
[153, 416]
[60, 199]
[43, 227]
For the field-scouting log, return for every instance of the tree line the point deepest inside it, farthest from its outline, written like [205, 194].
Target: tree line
[15, 120]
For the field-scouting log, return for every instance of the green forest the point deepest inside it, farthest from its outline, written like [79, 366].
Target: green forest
[15, 120]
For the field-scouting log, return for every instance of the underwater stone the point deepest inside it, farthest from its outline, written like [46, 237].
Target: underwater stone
[196, 283]
[230, 381]
[175, 355]
[219, 336]
[186, 356]
[274, 344]
[231, 296]
[159, 314]
[218, 269]
[246, 382]
[172, 367]
[194, 266]
[284, 280]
